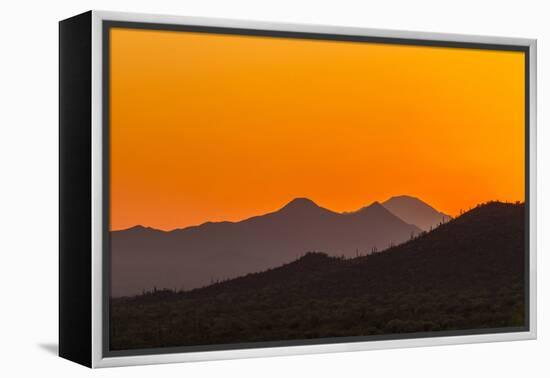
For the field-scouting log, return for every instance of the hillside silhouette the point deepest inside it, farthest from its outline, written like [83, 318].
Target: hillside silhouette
[467, 274]
[193, 257]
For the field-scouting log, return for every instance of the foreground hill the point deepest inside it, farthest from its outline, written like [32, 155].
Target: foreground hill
[466, 274]
[143, 258]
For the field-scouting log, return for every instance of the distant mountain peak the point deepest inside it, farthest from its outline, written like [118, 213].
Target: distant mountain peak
[415, 211]
[137, 227]
[140, 228]
[373, 206]
[403, 197]
[300, 203]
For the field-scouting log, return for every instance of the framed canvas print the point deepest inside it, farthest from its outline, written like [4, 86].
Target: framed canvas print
[235, 189]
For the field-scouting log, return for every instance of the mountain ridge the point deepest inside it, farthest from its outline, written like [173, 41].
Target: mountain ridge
[193, 256]
[471, 225]
[297, 203]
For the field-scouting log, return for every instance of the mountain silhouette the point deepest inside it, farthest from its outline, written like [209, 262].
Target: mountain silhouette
[143, 258]
[414, 211]
[487, 240]
[467, 274]
[301, 204]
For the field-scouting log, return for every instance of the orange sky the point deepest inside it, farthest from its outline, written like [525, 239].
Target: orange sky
[215, 127]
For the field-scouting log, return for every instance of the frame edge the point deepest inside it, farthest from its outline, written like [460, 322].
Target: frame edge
[75, 287]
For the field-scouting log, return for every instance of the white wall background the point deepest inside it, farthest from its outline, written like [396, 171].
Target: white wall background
[28, 188]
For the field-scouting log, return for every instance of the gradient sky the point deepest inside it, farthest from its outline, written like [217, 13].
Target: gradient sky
[211, 127]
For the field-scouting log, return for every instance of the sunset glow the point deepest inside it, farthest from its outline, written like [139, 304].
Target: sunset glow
[207, 127]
